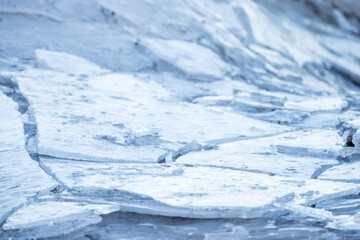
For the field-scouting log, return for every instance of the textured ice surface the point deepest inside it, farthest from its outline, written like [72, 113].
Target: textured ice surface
[22, 180]
[303, 157]
[182, 119]
[347, 172]
[123, 117]
[196, 62]
[51, 218]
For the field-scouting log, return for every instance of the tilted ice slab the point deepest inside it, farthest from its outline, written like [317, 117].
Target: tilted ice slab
[318, 104]
[22, 180]
[122, 117]
[51, 218]
[346, 222]
[193, 191]
[62, 62]
[295, 154]
[347, 172]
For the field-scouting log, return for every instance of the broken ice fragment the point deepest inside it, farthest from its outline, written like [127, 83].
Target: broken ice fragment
[320, 104]
[47, 219]
[190, 147]
[346, 172]
[195, 61]
[295, 154]
[64, 62]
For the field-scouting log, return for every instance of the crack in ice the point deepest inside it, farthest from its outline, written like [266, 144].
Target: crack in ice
[30, 129]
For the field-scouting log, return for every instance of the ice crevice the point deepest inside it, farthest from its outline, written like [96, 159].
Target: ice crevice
[29, 125]
[29, 200]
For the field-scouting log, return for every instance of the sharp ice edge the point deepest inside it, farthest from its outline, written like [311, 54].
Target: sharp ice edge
[30, 127]
[29, 201]
[52, 222]
[243, 138]
[320, 170]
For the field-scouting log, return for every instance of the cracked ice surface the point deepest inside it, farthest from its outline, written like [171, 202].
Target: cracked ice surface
[22, 180]
[229, 114]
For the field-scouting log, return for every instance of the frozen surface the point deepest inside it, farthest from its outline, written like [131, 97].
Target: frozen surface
[22, 179]
[184, 119]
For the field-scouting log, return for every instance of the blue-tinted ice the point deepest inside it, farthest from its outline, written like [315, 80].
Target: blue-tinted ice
[179, 119]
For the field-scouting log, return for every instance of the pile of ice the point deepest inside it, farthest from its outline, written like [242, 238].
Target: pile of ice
[207, 110]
